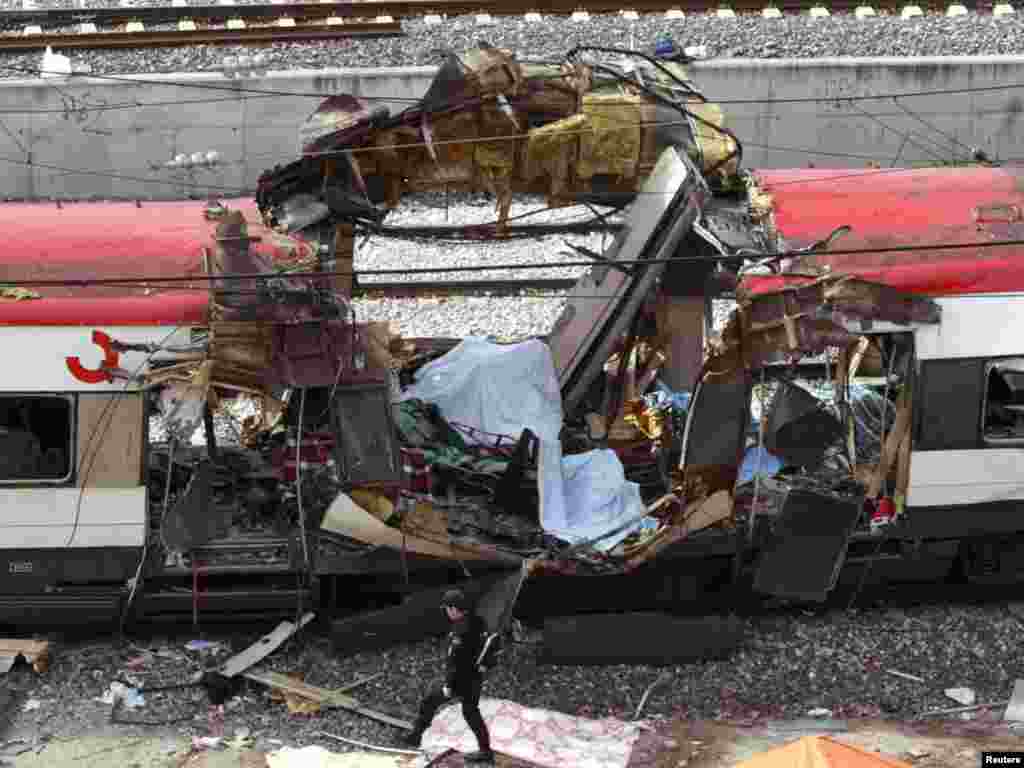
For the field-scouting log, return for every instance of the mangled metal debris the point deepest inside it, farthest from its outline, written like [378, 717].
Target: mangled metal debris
[490, 121]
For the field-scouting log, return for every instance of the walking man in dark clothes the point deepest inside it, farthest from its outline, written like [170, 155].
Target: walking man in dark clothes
[468, 658]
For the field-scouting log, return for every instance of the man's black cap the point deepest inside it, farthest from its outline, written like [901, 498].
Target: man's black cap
[455, 598]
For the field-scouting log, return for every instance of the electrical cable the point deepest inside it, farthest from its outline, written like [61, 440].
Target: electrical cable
[905, 136]
[949, 137]
[145, 545]
[318, 95]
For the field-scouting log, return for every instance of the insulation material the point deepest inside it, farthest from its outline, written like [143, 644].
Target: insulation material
[498, 388]
[820, 752]
[586, 497]
[715, 146]
[551, 149]
[611, 145]
[182, 405]
[538, 736]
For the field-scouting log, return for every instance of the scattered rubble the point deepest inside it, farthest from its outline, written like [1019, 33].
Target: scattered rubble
[34, 652]
[964, 696]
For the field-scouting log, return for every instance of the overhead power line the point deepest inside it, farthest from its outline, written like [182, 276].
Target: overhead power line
[238, 89]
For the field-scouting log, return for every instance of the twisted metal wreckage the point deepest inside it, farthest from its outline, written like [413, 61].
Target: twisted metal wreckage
[344, 469]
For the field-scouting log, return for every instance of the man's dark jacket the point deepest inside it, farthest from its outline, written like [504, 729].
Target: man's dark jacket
[465, 645]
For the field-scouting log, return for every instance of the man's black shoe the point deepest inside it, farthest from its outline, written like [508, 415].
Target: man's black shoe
[479, 757]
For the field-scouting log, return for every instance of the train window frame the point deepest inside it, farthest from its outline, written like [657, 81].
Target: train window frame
[1015, 364]
[71, 454]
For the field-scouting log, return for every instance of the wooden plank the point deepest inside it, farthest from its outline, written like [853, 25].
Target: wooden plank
[322, 696]
[109, 445]
[262, 648]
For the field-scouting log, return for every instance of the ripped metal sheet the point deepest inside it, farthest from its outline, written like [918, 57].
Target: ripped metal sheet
[806, 319]
[585, 334]
[263, 647]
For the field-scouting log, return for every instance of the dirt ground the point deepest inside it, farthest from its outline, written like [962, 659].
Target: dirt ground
[693, 744]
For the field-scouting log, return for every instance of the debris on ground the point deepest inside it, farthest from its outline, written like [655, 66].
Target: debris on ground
[905, 676]
[964, 696]
[200, 646]
[34, 652]
[119, 694]
[1015, 709]
[265, 646]
[307, 699]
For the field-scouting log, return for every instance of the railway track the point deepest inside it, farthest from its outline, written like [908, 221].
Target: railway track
[309, 13]
[255, 35]
[425, 288]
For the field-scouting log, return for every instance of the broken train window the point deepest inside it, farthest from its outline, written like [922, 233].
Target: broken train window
[36, 438]
[1003, 412]
[815, 422]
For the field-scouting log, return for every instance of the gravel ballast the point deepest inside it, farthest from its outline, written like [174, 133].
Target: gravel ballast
[792, 663]
[745, 36]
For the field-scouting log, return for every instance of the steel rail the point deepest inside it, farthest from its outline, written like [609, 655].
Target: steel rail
[399, 9]
[426, 288]
[263, 35]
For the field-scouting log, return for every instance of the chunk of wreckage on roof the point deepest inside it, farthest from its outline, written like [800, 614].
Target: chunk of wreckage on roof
[561, 129]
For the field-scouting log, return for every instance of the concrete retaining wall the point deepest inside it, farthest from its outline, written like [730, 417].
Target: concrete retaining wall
[122, 131]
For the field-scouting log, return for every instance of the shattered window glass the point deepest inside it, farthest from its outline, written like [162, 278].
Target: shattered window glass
[1003, 414]
[36, 438]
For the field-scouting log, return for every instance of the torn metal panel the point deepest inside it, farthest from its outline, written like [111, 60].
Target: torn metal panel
[713, 441]
[315, 353]
[799, 429]
[585, 334]
[806, 319]
[805, 550]
[365, 441]
[840, 294]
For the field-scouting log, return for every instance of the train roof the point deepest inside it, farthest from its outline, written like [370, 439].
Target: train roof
[111, 240]
[944, 218]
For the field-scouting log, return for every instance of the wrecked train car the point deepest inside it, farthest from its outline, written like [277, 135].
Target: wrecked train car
[815, 429]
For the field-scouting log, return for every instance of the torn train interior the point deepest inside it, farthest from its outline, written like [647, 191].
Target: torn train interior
[634, 438]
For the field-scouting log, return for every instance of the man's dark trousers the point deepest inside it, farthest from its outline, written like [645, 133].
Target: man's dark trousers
[469, 693]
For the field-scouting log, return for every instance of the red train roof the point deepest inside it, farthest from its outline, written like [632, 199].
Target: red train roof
[90, 241]
[891, 208]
